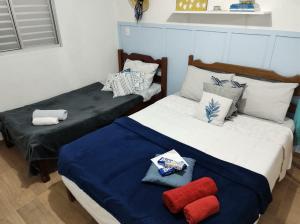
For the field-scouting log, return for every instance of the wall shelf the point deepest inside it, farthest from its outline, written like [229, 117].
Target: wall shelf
[221, 13]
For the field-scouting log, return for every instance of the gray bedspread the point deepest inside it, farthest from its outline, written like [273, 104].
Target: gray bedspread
[89, 108]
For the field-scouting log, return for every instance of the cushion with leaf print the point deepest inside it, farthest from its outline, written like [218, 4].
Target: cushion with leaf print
[228, 92]
[213, 108]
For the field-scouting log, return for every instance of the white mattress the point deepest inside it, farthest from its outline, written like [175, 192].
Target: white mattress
[262, 146]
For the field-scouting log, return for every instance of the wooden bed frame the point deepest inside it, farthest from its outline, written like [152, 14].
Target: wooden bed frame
[248, 72]
[48, 166]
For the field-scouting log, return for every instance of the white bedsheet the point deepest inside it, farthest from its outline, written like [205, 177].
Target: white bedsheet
[259, 145]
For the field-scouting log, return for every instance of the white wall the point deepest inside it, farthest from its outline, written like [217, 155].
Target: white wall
[89, 36]
[285, 15]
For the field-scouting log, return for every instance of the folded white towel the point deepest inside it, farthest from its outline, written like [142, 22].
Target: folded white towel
[60, 114]
[40, 121]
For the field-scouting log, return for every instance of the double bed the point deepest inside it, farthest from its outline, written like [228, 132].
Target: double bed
[88, 108]
[248, 146]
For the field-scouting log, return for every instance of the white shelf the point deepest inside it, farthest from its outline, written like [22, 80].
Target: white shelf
[223, 13]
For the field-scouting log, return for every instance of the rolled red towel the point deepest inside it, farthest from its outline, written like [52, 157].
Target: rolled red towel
[176, 199]
[201, 209]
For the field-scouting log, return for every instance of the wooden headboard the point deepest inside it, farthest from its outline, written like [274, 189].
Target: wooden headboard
[248, 72]
[163, 66]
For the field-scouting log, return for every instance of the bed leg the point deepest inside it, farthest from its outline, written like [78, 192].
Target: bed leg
[70, 195]
[44, 171]
[8, 144]
[6, 141]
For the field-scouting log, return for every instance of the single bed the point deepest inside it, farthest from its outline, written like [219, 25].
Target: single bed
[260, 146]
[88, 108]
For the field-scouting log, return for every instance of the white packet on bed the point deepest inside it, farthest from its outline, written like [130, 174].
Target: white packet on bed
[173, 155]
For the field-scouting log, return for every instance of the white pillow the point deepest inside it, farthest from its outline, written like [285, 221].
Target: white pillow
[192, 87]
[139, 66]
[122, 85]
[149, 69]
[267, 100]
[213, 108]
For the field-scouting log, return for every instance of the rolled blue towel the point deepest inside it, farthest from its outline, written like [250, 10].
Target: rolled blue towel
[60, 114]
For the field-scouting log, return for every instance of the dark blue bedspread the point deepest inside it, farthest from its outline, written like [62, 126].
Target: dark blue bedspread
[110, 163]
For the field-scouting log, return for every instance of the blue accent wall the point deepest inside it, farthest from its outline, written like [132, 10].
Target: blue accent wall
[269, 49]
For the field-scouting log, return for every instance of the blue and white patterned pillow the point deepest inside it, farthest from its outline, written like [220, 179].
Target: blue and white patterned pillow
[140, 80]
[110, 78]
[108, 82]
[122, 85]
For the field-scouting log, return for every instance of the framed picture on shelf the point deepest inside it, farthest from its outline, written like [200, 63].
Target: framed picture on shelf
[191, 5]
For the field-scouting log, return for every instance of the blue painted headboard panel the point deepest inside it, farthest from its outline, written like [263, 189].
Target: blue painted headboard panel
[266, 49]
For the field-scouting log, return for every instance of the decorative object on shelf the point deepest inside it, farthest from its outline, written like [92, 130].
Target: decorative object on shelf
[217, 5]
[217, 8]
[140, 6]
[247, 1]
[191, 5]
[245, 6]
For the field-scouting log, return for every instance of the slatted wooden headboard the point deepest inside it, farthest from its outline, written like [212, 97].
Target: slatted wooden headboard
[248, 72]
[163, 66]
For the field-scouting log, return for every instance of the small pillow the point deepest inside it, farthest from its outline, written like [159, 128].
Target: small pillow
[219, 82]
[192, 87]
[213, 108]
[237, 87]
[175, 180]
[231, 93]
[140, 79]
[227, 83]
[122, 85]
[109, 80]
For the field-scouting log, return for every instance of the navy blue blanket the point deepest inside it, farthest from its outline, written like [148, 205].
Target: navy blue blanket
[110, 163]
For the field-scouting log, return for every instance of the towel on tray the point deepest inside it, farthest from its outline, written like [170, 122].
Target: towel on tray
[59, 114]
[40, 121]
